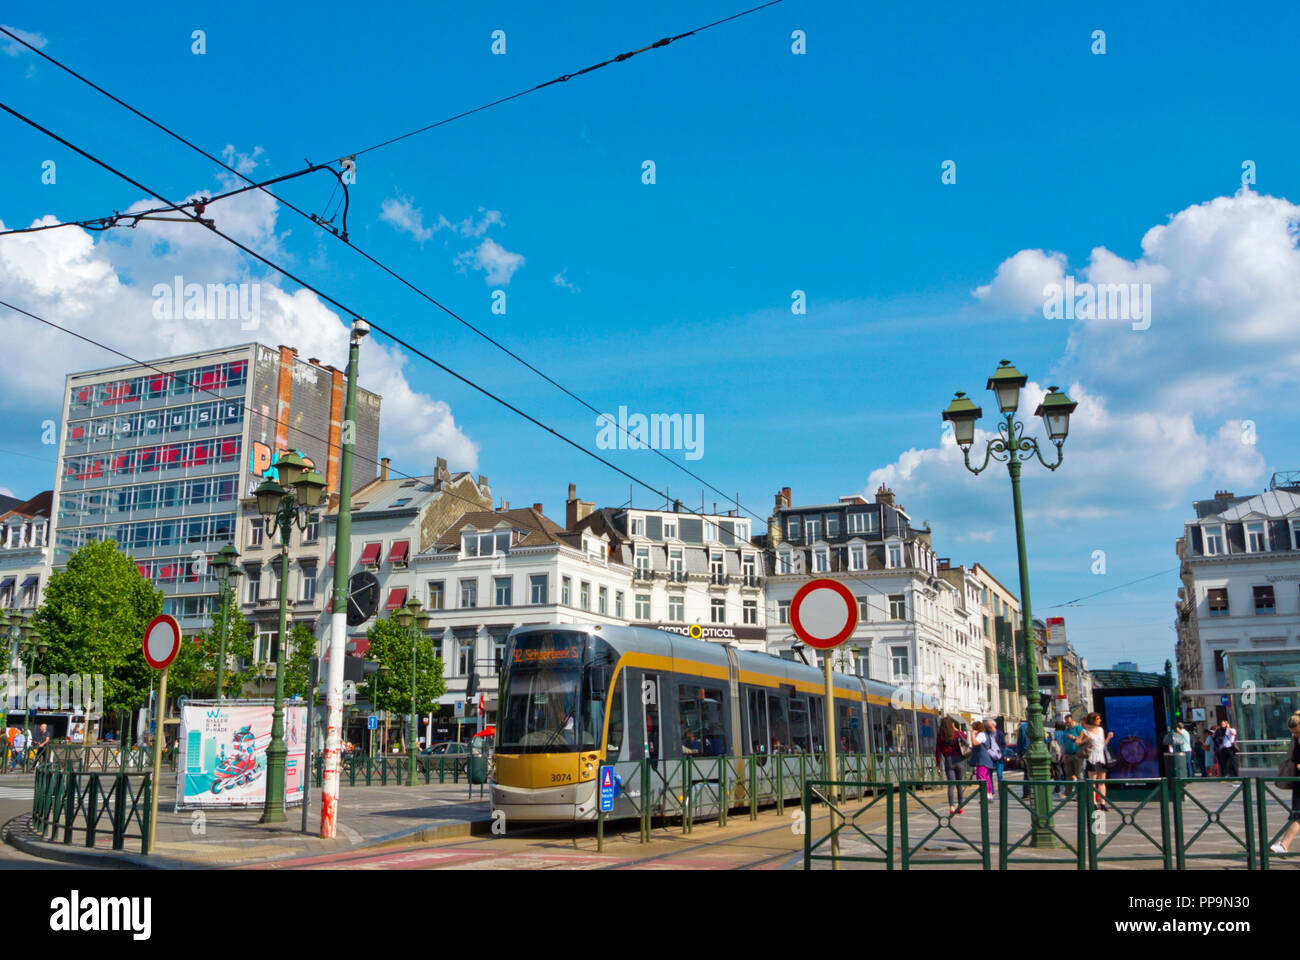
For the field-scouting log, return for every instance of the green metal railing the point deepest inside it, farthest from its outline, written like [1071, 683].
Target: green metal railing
[104, 757]
[1015, 848]
[1197, 821]
[67, 802]
[917, 816]
[845, 819]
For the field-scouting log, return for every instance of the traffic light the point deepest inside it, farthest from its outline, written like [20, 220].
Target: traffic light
[471, 688]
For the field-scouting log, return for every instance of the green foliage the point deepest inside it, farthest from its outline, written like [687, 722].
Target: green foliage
[194, 672]
[93, 618]
[302, 647]
[390, 645]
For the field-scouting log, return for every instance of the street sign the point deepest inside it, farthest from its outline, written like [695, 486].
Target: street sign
[372, 722]
[824, 613]
[1224, 700]
[1057, 646]
[608, 789]
[162, 641]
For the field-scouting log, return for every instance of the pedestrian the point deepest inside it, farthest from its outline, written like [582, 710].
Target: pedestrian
[1056, 749]
[1093, 742]
[1022, 745]
[1074, 759]
[1211, 753]
[997, 747]
[1227, 743]
[1291, 767]
[40, 741]
[1198, 754]
[981, 757]
[1179, 743]
[20, 741]
[951, 747]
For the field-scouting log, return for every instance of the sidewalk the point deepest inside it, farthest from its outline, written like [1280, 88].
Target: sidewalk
[213, 839]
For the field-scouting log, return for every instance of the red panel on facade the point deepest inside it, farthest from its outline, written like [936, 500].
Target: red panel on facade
[396, 597]
[370, 555]
[399, 551]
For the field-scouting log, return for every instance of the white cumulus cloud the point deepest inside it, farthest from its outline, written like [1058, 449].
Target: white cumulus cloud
[498, 263]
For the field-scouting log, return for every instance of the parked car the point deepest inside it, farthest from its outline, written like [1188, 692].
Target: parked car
[449, 752]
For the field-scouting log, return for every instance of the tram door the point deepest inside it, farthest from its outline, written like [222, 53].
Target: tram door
[652, 732]
[756, 703]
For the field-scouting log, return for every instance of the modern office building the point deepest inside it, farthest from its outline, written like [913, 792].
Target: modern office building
[163, 457]
[1238, 620]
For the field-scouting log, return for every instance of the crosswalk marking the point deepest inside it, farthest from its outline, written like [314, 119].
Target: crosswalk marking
[16, 793]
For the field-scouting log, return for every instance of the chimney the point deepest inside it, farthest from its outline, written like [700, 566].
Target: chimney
[785, 495]
[383, 468]
[537, 507]
[945, 563]
[482, 480]
[575, 510]
[314, 361]
[677, 506]
[440, 473]
[1222, 494]
[885, 495]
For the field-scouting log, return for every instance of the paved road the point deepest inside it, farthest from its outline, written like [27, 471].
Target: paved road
[16, 800]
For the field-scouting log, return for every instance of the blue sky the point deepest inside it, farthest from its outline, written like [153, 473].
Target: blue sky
[775, 172]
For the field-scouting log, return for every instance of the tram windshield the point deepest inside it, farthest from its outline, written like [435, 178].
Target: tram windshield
[555, 691]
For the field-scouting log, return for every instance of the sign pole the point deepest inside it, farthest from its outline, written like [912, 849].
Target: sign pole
[157, 765]
[830, 759]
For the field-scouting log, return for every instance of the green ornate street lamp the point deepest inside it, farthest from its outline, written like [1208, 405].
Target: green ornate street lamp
[224, 564]
[414, 618]
[1012, 447]
[282, 508]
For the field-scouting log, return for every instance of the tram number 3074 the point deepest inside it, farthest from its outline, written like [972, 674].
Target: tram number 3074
[561, 778]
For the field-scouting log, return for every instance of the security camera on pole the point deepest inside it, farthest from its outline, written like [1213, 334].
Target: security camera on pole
[824, 613]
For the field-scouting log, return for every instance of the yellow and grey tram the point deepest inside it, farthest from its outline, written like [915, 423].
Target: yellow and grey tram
[576, 696]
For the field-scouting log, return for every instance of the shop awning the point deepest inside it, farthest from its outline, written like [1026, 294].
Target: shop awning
[399, 551]
[8, 582]
[35, 577]
[396, 597]
[370, 555]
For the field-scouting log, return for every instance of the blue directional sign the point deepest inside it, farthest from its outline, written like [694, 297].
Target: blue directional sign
[1224, 700]
[608, 789]
[372, 722]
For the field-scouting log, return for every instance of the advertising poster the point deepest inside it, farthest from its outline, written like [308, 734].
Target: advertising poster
[1136, 744]
[222, 757]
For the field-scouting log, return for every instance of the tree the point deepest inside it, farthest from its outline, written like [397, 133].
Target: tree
[390, 645]
[94, 617]
[302, 647]
[194, 672]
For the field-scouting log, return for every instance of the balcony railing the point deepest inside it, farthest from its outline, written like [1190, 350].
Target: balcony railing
[643, 573]
[676, 576]
[719, 579]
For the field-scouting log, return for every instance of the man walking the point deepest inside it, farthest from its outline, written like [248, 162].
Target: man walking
[1179, 742]
[1072, 758]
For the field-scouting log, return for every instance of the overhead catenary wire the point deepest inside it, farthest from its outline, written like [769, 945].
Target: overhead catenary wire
[379, 328]
[323, 223]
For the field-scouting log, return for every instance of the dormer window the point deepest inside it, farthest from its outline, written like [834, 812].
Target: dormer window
[832, 525]
[670, 529]
[821, 560]
[638, 526]
[857, 557]
[1213, 540]
[813, 529]
[792, 528]
[1256, 537]
[1295, 534]
[783, 562]
[894, 555]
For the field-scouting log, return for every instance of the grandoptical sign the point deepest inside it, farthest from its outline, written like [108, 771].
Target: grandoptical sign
[712, 631]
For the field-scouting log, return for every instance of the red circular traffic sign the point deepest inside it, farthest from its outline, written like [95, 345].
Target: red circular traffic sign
[162, 641]
[823, 613]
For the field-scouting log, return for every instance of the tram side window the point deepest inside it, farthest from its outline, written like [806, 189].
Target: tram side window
[615, 740]
[799, 724]
[778, 725]
[850, 734]
[757, 702]
[817, 724]
[700, 714]
[882, 736]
